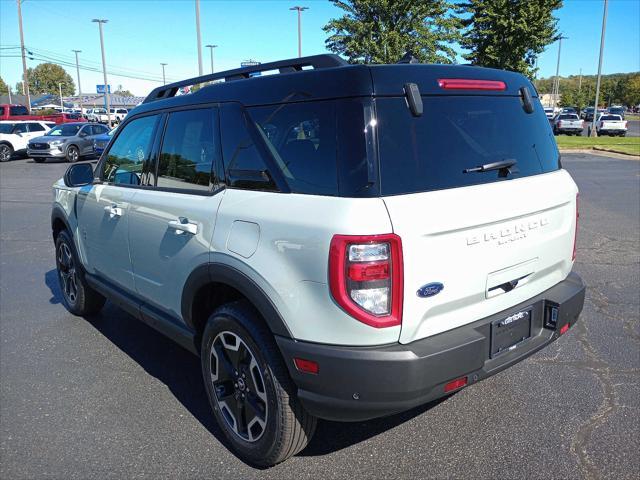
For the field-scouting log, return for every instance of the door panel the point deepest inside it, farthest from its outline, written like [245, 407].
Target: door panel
[103, 222]
[164, 256]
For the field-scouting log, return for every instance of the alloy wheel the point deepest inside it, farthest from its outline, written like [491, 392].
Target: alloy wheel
[238, 386]
[73, 154]
[5, 153]
[67, 273]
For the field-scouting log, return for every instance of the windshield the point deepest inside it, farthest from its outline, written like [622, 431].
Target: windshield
[455, 133]
[6, 127]
[64, 131]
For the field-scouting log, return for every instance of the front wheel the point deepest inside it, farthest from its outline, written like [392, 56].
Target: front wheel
[73, 154]
[6, 151]
[79, 297]
[249, 388]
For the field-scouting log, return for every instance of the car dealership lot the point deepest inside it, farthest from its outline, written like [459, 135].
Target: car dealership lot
[111, 398]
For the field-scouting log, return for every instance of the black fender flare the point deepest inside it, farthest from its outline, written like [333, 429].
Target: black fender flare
[222, 273]
[57, 213]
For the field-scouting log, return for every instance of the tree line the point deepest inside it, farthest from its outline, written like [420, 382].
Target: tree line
[579, 91]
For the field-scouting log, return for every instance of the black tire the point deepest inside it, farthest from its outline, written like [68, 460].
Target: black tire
[623, 134]
[6, 152]
[73, 154]
[286, 427]
[39, 160]
[78, 297]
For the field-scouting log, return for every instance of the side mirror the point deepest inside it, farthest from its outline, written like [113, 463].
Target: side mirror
[79, 175]
[83, 134]
[19, 134]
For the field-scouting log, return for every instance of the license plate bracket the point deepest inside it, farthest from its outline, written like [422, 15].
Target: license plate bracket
[509, 332]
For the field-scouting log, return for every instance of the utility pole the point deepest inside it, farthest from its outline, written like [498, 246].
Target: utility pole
[78, 72]
[211, 47]
[25, 79]
[61, 103]
[9, 89]
[300, 10]
[199, 38]
[104, 69]
[595, 107]
[556, 92]
[164, 82]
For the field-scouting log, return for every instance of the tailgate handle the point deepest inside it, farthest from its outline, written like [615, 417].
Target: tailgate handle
[510, 285]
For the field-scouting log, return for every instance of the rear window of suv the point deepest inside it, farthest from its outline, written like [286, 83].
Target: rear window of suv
[430, 152]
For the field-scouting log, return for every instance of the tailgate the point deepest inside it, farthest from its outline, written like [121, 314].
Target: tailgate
[475, 240]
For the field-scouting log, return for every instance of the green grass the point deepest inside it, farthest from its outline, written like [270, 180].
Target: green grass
[632, 116]
[628, 145]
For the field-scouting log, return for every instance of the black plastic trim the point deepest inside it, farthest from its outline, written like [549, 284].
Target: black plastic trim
[360, 383]
[220, 273]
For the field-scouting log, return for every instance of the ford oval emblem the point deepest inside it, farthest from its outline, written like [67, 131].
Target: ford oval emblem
[430, 289]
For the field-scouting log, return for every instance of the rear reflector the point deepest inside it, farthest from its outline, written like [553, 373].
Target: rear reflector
[564, 328]
[306, 366]
[455, 384]
[468, 84]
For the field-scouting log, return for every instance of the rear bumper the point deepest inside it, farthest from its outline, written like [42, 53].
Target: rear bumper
[360, 383]
[569, 129]
[611, 131]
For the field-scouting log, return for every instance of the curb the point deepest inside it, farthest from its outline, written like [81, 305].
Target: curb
[601, 152]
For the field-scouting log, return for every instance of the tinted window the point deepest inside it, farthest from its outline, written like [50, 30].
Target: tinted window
[6, 127]
[98, 129]
[128, 159]
[430, 152]
[18, 110]
[20, 128]
[188, 150]
[610, 117]
[568, 117]
[64, 130]
[302, 139]
[36, 127]
[245, 166]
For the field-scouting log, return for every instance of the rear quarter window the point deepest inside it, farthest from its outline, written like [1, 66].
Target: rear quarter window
[430, 152]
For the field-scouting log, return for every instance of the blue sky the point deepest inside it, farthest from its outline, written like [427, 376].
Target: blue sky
[143, 33]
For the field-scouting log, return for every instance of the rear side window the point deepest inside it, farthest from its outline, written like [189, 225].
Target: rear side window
[430, 152]
[18, 110]
[127, 162]
[188, 150]
[302, 139]
[36, 127]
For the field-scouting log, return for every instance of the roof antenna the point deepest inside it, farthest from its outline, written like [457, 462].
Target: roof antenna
[409, 58]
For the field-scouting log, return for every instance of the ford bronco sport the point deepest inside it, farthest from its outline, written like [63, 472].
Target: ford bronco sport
[334, 241]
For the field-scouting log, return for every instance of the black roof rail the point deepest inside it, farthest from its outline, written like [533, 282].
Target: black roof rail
[284, 66]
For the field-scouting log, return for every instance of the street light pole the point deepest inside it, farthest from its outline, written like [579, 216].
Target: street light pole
[595, 107]
[199, 38]
[211, 47]
[78, 72]
[25, 79]
[164, 82]
[104, 69]
[556, 92]
[299, 10]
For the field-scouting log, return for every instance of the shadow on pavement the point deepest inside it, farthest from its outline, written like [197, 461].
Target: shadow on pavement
[180, 371]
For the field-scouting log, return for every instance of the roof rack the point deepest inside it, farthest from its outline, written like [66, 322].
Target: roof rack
[283, 66]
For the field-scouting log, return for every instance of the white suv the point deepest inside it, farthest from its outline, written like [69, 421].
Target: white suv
[15, 136]
[334, 241]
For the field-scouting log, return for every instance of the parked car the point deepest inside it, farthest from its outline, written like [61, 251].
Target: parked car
[69, 140]
[101, 141]
[14, 136]
[567, 123]
[549, 112]
[11, 112]
[374, 245]
[118, 114]
[588, 114]
[616, 111]
[610, 125]
[98, 115]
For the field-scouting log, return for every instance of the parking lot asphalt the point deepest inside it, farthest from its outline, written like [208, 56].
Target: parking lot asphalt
[111, 398]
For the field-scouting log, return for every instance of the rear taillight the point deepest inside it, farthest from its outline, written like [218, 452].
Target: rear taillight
[365, 277]
[560, 123]
[468, 84]
[575, 235]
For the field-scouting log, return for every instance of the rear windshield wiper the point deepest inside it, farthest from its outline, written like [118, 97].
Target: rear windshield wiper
[504, 168]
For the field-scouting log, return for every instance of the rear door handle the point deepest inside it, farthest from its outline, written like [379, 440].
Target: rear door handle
[182, 225]
[113, 210]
